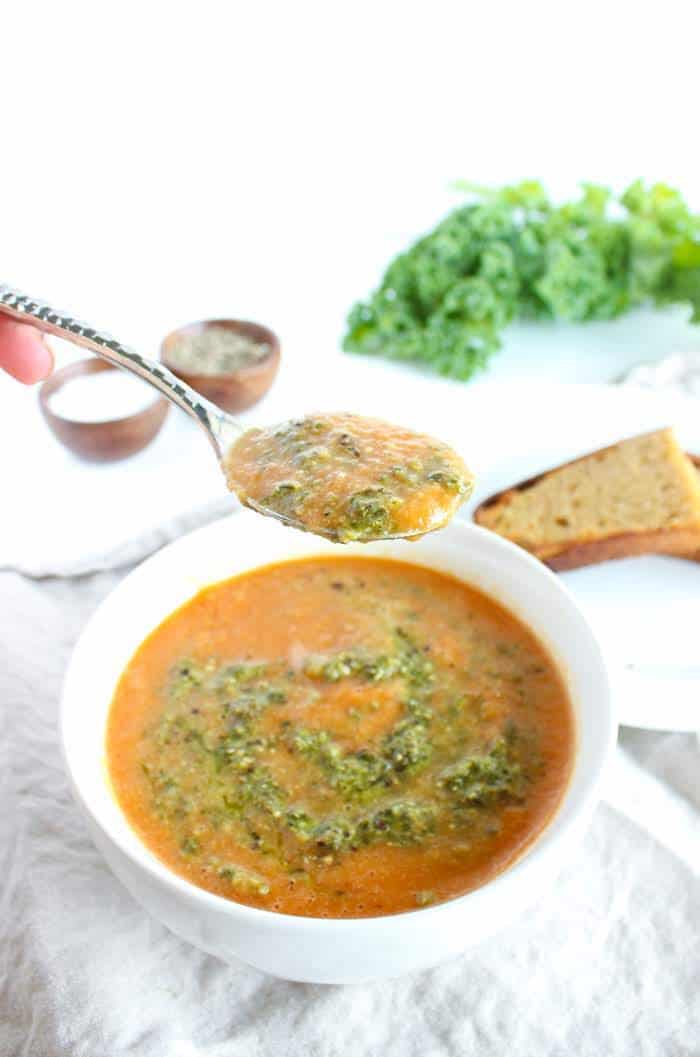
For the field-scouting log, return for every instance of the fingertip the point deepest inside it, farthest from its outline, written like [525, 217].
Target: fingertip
[24, 353]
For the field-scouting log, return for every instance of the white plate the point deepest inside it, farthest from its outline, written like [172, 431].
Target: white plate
[645, 611]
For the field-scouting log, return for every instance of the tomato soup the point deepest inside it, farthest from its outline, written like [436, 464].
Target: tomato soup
[340, 737]
[348, 477]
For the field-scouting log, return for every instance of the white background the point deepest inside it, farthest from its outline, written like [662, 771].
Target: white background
[168, 162]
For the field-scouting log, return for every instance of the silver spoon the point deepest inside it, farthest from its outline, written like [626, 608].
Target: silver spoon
[221, 429]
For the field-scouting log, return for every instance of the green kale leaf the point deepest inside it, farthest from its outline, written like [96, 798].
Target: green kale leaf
[513, 254]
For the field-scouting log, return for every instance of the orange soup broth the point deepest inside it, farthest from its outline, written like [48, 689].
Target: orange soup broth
[296, 609]
[349, 455]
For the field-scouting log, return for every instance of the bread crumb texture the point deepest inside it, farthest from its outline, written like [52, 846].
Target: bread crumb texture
[643, 486]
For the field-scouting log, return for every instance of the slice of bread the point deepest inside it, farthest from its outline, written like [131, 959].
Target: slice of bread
[639, 496]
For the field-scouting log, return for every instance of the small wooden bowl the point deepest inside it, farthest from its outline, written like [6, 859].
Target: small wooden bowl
[236, 390]
[104, 441]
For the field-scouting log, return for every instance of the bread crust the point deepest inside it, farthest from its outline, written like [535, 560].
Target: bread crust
[695, 459]
[679, 543]
[627, 545]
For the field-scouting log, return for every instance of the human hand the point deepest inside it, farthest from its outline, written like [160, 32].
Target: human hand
[23, 352]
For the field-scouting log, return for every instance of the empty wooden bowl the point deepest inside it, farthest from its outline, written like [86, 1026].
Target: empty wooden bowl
[235, 390]
[106, 440]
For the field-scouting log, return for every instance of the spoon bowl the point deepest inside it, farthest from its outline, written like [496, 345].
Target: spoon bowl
[326, 533]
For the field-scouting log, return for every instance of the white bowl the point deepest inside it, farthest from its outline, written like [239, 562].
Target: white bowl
[314, 949]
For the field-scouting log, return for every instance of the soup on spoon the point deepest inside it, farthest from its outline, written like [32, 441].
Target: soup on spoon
[347, 477]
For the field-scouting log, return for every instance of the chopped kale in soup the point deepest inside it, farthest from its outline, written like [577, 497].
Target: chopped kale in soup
[349, 478]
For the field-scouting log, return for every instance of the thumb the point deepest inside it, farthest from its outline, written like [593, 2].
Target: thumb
[23, 352]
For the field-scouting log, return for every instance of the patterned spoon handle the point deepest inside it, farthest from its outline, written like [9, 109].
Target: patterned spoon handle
[220, 428]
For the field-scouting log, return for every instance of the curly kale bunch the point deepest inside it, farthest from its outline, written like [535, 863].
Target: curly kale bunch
[511, 254]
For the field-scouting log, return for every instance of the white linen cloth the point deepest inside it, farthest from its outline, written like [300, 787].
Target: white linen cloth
[606, 964]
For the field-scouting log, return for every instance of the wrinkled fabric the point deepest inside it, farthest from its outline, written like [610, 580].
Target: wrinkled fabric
[606, 964]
